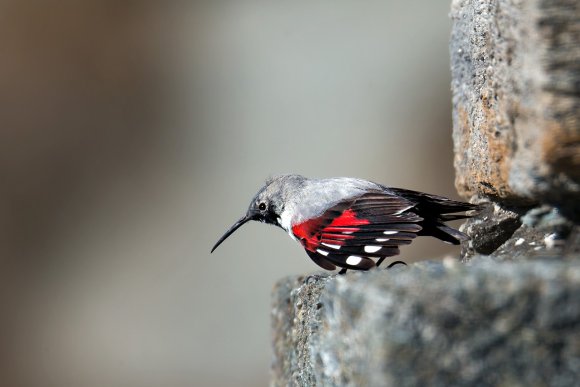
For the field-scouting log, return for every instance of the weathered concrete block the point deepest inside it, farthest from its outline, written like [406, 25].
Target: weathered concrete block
[431, 324]
[516, 100]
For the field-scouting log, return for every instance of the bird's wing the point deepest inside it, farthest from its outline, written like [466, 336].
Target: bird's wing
[352, 232]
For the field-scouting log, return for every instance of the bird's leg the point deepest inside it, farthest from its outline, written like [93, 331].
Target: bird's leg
[343, 271]
[380, 261]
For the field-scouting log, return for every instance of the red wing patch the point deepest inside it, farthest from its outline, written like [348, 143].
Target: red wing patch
[349, 234]
[310, 233]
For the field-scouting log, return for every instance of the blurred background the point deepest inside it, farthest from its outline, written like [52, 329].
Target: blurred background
[133, 134]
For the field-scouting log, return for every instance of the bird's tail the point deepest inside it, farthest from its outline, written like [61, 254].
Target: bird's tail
[436, 210]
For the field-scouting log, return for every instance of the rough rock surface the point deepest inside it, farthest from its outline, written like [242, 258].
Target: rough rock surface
[484, 324]
[516, 100]
[516, 123]
[518, 233]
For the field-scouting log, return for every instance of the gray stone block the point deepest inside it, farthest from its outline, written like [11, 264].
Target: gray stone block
[516, 100]
[431, 324]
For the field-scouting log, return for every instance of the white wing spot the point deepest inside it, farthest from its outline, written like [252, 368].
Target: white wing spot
[372, 249]
[403, 210]
[325, 253]
[336, 247]
[382, 239]
[389, 232]
[353, 260]
[347, 232]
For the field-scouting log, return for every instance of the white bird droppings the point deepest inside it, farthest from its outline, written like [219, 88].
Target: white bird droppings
[372, 249]
[353, 260]
[519, 242]
[550, 240]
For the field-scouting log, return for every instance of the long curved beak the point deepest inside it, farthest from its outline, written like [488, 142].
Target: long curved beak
[236, 225]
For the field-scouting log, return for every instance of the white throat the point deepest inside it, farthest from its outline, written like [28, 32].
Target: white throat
[286, 221]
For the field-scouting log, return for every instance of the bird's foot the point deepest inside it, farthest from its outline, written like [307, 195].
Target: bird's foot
[396, 263]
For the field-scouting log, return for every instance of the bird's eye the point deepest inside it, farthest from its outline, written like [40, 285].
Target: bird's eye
[262, 206]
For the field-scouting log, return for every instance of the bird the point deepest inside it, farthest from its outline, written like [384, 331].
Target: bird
[351, 223]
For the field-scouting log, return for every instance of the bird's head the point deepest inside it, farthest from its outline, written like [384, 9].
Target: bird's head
[268, 204]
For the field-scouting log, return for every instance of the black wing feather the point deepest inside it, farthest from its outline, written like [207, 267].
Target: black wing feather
[384, 221]
[354, 246]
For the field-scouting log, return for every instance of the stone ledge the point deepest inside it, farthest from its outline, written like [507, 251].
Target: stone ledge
[486, 323]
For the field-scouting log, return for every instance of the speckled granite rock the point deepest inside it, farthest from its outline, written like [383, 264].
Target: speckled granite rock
[483, 324]
[516, 101]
